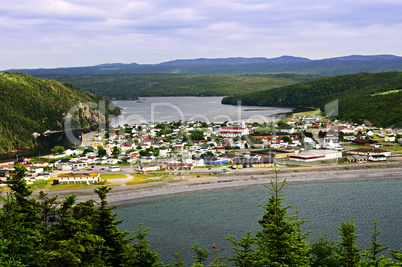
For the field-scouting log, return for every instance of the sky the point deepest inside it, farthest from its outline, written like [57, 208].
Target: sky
[70, 33]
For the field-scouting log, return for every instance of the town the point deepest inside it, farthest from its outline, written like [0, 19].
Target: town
[199, 148]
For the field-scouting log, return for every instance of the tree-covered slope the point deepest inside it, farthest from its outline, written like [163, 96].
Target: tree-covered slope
[131, 86]
[29, 105]
[375, 97]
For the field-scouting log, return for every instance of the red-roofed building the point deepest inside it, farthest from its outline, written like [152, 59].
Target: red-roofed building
[234, 131]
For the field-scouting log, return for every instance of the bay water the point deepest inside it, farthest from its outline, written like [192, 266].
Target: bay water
[207, 109]
[207, 217]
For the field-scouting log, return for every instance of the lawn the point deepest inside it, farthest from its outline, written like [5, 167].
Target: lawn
[111, 176]
[141, 178]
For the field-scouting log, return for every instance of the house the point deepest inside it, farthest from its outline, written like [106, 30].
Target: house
[286, 129]
[23, 161]
[389, 138]
[179, 166]
[364, 142]
[221, 149]
[40, 164]
[96, 144]
[239, 163]
[355, 158]
[331, 141]
[379, 157]
[127, 146]
[77, 178]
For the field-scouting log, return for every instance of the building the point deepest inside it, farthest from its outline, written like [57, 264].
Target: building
[277, 154]
[148, 167]
[355, 158]
[370, 151]
[377, 158]
[364, 142]
[331, 141]
[240, 163]
[316, 155]
[77, 178]
[179, 166]
[389, 138]
[234, 131]
[215, 161]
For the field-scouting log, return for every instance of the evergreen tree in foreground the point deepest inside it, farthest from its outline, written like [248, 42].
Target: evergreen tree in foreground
[49, 232]
[280, 242]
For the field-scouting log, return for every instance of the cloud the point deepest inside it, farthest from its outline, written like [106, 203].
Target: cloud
[50, 33]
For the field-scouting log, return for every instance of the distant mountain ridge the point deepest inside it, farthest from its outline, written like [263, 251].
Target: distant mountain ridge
[239, 65]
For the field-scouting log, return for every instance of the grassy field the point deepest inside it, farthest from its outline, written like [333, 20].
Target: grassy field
[141, 178]
[112, 176]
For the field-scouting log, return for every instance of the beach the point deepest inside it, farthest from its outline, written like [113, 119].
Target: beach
[247, 177]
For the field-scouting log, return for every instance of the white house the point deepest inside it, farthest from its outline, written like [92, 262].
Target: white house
[77, 178]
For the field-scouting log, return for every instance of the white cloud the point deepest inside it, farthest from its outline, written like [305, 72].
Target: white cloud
[50, 33]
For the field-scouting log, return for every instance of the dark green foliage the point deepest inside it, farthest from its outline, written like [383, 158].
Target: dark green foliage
[201, 255]
[196, 135]
[360, 96]
[131, 86]
[53, 233]
[280, 242]
[242, 249]
[372, 256]
[57, 149]
[33, 105]
[348, 251]
[323, 253]
[142, 255]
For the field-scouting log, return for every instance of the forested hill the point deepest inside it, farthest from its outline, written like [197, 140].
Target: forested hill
[376, 98]
[131, 86]
[31, 105]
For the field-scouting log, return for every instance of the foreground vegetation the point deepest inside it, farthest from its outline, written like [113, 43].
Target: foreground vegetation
[365, 97]
[47, 232]
[132, 86]
[33, 105]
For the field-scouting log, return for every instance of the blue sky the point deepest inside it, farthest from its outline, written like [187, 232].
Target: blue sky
[54, 33]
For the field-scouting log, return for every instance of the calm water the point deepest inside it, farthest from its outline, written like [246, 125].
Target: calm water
[177, 221]
[160, 109]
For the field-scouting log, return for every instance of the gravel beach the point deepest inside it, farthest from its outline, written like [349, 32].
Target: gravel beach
[122, 193]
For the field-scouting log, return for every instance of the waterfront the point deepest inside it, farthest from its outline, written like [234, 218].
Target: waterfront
[177, 221]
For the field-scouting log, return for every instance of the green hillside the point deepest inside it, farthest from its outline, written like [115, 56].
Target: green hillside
[372, 97]
[31, 105]
[131, 86]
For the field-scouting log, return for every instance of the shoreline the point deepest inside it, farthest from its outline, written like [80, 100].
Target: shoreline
[124, 194]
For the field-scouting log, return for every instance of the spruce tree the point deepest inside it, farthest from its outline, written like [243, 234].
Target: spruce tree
[281, 241]
[348, 251]
[371, 256]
